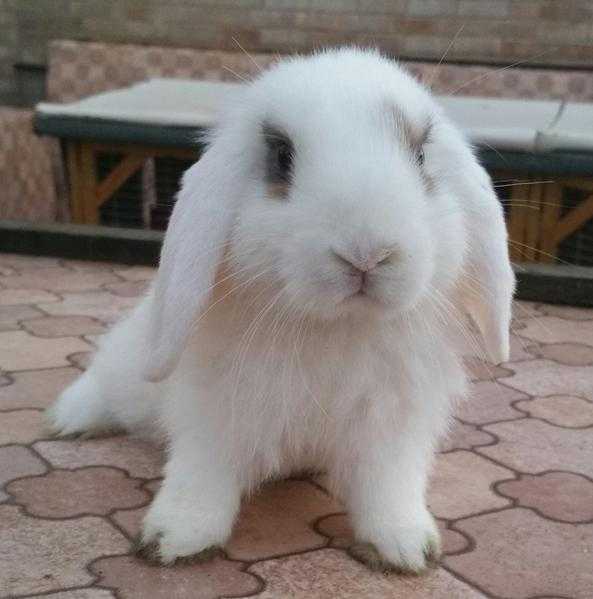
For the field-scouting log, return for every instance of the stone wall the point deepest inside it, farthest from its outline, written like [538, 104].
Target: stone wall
[545, 32]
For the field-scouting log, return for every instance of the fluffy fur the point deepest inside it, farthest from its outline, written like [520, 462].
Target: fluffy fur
[261, 348]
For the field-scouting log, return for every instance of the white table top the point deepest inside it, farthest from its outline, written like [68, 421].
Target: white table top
[525, 125]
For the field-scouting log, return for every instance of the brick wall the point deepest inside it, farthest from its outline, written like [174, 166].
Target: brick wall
[547, 32]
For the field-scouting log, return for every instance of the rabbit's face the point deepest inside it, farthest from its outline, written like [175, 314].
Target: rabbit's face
[347, 212]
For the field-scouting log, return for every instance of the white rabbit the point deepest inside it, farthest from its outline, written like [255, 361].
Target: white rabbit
[306, 313]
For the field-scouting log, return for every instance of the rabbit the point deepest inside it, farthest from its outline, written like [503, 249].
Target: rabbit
[309, 309]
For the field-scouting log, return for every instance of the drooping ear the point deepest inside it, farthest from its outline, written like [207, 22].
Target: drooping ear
[488, 281]
[190, 257]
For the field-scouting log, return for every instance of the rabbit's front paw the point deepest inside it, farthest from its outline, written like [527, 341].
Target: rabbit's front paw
[176, 531]
[401, 549]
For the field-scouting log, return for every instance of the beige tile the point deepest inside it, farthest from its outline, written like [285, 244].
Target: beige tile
[49, 555]
[22, 426]
[59, 279]
[331, 573]
[534, 446]
[63, 326]
[520, 554]
[10, 316]
[561, 410]
[489, 401]
[14, 297]
[277, 520]
[36, 388]
[552, 329]
[136, 273]
[15, 462]
[461, 485]
[21, 351]
[101, 305]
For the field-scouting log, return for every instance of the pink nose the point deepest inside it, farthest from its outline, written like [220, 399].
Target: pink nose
[367, 262]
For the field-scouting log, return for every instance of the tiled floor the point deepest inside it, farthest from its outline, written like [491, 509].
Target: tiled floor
[512, 489]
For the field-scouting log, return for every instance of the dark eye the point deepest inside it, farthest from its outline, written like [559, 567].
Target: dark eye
[420, 156]
[283, 159]
[279, 156]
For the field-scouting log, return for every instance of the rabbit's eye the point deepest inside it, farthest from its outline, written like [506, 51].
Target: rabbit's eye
[420, 156]
[283, 159]
[279, 157]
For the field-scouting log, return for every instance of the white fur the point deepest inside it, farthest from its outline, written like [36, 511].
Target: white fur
[261, 362]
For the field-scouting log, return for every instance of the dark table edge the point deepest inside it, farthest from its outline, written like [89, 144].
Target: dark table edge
[561, 284]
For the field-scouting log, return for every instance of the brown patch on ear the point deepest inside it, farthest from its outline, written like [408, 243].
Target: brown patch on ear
[278, 189]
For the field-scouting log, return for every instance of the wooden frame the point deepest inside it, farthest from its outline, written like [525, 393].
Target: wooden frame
[87, 193]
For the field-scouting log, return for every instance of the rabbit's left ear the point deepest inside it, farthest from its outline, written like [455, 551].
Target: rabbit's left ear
[488, 282]
[193, 248]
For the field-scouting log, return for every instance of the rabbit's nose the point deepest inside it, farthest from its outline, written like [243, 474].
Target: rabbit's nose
[366, 261]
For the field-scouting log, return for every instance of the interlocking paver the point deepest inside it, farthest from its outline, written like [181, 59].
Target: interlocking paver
[512, 491]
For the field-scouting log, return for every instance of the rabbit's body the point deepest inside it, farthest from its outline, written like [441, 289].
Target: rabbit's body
[308, 309]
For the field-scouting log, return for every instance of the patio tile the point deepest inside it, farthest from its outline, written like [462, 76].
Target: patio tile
[36, 388]
[136, 273]
[101, 305]
[10, 316]
[552, 329]
[561, 410]
[489, 401]
[63, 326]
[331, 573]
[15, 462]
[544, 377]
[49, 555]
[465, 436]
[557, 495]
[533, 446]
[81, 360]
[569, 312]
[479, 370]
[14, 297]
[521, 349]
[82, 594]
[134, 579]
[277, 521]
[519, 554]
[58, 279]
[572, 354]
[461, 485]
[69, 493]
[23, 262]
[21, 351]
[138, 458]
[21, 426]
[128, 288]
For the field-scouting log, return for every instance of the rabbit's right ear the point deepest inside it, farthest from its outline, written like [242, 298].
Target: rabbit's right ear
[191, 254]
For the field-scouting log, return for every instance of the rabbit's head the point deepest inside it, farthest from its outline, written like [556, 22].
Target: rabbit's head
[336, 181]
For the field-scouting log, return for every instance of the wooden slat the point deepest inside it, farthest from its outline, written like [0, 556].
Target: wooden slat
[518, 215]
[88, 184]
[76, 198]
[550, 213]
[117, 177]
[532, 223]
[147, 151]
[574, 220]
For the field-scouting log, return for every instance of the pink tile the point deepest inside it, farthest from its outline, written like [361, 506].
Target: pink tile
[489, 401]
[36, 388]
[552, 329]
[534, 446]
[278, 520]
[139, 458]
[22, 426]
[465, 436]
[10, 316]
[331, 573]
[14, 297]
[135, 579]
[69, 493]
[519, 554]
[557, 495]
[15, 462]
[49, 555]
[544, 377]
[21, 351]
[461, 485]
[572, 354]
[59, 279]
[63, 326]
[561, 410]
